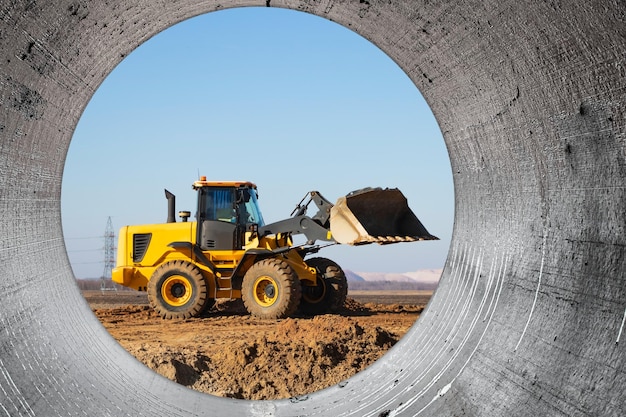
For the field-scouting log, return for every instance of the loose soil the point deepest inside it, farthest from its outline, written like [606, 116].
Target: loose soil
[229, 353]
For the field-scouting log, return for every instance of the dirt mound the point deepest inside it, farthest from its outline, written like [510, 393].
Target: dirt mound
[229, 353]
[298, 357]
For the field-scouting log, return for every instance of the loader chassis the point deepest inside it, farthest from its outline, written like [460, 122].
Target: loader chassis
[229, 252]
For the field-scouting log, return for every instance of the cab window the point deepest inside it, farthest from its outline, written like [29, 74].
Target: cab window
[219, 205]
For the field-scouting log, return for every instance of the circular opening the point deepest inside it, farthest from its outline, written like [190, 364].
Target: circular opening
[293, 103]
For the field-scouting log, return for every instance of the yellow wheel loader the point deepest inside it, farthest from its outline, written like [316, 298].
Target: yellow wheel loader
[229, 252]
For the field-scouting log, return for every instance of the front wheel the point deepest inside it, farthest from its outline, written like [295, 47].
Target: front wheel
[271, 289]
[329, 295]
[178, 290]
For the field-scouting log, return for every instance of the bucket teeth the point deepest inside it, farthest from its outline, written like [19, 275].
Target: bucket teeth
[383, 240]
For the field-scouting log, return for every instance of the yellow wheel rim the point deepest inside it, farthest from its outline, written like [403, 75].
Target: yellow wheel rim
[265, 291]
[176, 291]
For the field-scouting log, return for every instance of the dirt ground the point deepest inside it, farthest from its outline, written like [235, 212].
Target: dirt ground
[229, 353]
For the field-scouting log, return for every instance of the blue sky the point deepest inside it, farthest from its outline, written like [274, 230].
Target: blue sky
[290, 101]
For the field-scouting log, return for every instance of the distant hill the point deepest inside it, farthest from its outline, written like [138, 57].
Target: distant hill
[353, 277]
[426, 279]
[385, 276]
[423, 275]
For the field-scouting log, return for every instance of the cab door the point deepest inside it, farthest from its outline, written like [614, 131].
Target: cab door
[217, 218]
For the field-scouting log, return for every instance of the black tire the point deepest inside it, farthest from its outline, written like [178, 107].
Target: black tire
[271, 289]
[178, 290]
[329, 296]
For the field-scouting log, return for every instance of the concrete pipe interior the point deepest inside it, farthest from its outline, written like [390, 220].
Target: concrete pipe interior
[529, 315]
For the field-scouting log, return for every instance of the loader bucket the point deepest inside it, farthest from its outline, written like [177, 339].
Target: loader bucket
[375, 215]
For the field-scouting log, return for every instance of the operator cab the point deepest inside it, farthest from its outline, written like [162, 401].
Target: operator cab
[226, 211]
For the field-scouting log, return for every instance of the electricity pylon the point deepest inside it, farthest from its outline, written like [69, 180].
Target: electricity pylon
[109, 257]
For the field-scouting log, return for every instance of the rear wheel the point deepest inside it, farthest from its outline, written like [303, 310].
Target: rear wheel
[329, 295]
[271, 289]
[177, 290]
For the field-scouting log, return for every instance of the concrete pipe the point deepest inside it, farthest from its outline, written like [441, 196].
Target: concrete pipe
[530, 313]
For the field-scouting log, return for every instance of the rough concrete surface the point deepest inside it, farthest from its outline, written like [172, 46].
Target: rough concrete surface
[529, 316]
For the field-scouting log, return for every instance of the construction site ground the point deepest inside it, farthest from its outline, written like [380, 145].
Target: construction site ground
[229, 353]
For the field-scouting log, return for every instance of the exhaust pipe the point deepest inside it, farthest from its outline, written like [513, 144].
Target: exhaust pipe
[171, 207]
